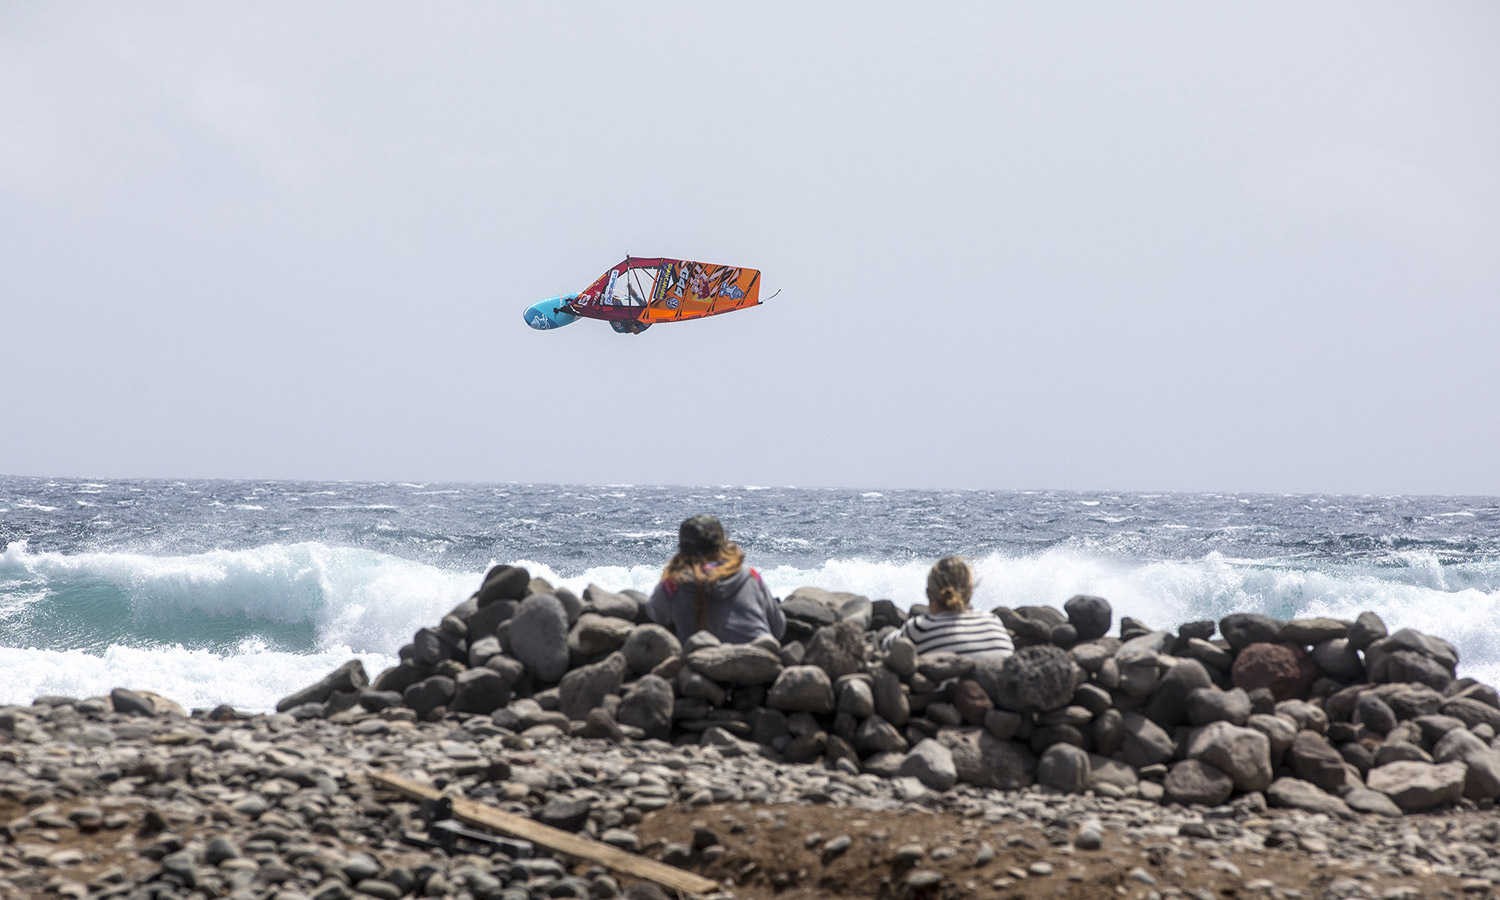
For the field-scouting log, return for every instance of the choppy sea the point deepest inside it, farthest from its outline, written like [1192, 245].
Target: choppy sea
[240, 592]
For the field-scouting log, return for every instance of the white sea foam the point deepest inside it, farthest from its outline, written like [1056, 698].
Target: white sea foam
[367, 603]
[251, 680]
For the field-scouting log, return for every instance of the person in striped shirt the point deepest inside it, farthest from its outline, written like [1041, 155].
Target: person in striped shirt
[951, 626]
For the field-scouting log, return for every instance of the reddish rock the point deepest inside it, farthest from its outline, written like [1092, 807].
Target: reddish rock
[972, 701]
[1284, 669]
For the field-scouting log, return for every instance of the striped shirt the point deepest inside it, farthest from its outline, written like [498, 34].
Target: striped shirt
[970, 633]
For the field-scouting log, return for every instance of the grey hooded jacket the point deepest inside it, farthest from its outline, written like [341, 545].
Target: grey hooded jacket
[740, 608]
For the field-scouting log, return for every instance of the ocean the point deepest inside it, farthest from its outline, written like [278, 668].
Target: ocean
[240, 592]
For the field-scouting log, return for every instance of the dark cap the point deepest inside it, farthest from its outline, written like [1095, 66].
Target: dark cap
[701, 536]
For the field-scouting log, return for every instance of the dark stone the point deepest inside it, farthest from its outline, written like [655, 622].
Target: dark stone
[1201, 630]
[1168, 704]
[1089, 616]
[1366, 630]
[504, 583]
[132, 704]
[479, 691]
[1315, 760]
[568, 815]
[585, 688]
[372, 700]
[485, 622]
[837, 649]
[648, 705]
[808, 612]
[1035, 679]
[885, 613]
[1374, 713]
[1064, 636]
[1243, 629]
[1133, 628]
[348, 677]
[433, 645]
[1410, 667]
[399, 678]
[428, 694]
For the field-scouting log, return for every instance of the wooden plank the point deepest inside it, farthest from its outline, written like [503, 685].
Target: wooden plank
[471, 813]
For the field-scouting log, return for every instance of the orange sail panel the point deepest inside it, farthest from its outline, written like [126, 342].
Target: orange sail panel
[692, 290]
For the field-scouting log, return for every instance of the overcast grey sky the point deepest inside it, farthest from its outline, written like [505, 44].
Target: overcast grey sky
[1096, 246]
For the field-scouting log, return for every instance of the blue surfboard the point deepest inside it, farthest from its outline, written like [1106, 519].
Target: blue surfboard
[544, 316]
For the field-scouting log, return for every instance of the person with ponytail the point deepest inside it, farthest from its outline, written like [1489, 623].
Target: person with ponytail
[708, 587]
[950, 626]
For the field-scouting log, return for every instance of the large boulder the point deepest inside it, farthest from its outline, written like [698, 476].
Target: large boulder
[429, 694]
[1298, 794]
[503, 583]
[1145, 742]
[607, 603]
[1035, 679]
[1419, 786]
[1089, 616]
[1284, 669]
[1244, 754]
[930, 763]
[802, 689]
[1243, 629]
[539, 637]
[1315, 761]
[1168, 705]
[1064, 767]
[838, 649]
[479, 691]
[348, 677]
[736, 663]
[648, 646]
[594, 634]
[648, 705]
[1197, 783]
[983, 760]
[585, 687]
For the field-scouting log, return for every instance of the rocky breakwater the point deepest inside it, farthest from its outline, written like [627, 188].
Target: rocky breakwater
[1327, 716]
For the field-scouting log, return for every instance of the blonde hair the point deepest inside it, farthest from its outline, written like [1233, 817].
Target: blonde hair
[950, 584]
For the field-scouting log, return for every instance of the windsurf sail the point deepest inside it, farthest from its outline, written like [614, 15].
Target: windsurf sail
[657, 289]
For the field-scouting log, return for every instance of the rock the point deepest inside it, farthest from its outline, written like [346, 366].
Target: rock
[1244, 754]
[607, 603]
[568, 815]
[1243, 629]
[1362, 799]
[901, 657]
[736, 664]
[802, 688]
[1315, 761]
[1338, 659]
[930, 763]
[539, 637]
[133, 704]
[1298, 794]
[1030, 625]
[429, 693]
[854, 696]
[1064, 767]
[983, 760]
[482, 649]
[837, 649]
[503, 583]
[891, 701]
[1195, 782]
[1366, 630]
[1374, 713]
[1211, 655]
[1089, 616]
[692, 684]
[1284, 669]
[486, 622]
[1408, 701]
[1403, 666]
[1482, 779]
[1472, 713]
[648, 646]
[594, 634]
[648, 705]
[876, 735]
[1035, 679]
[585, 687]
[479, 691]
[1210, 704]
[1145, 743]
[1419, 786]
[939, 667]
[1306, 632]
[972, 701]
[1168, 704]
[431, 646]
[398, 678]
[348, 677]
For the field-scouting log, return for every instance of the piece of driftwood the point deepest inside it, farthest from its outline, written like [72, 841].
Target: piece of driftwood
[471, 813]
